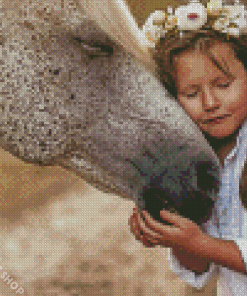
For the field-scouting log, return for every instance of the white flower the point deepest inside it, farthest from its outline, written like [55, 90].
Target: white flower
[233, 31]
[220, 26]
[235, 10]
[155, 17]
[221, 23]
[153, 27]
[214, 5]
[243, 23]
[171, 22]
[233, 14]
[191, 17]
[169, 9]
[238, 16]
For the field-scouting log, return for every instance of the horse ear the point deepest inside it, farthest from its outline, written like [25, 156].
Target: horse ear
[243, 186]
[116, 20]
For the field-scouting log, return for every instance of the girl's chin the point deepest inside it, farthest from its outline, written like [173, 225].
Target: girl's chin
[221, 134]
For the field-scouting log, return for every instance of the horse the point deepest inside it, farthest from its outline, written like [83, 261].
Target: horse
[79, 91]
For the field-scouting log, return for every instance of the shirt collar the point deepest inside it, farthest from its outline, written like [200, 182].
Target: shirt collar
[242, 135]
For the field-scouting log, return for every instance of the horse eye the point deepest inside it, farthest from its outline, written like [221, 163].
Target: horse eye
[95, 49]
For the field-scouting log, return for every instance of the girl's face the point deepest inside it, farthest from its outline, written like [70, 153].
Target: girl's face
[216, 102]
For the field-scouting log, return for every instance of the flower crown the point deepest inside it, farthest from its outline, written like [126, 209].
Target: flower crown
[229, 19]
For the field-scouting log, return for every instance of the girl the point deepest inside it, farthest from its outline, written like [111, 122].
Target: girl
[205, 69]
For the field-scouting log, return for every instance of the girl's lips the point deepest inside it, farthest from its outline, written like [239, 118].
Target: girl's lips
[216, 120]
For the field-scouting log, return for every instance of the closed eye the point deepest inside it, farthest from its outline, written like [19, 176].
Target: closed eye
[192, 95]
[94, 48]
[223, 85]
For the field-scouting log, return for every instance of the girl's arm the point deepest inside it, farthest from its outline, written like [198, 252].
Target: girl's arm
[221, 252]
[192, 262]
[208, 249]
[225, 253]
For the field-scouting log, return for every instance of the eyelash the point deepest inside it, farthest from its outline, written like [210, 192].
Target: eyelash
[225, 85]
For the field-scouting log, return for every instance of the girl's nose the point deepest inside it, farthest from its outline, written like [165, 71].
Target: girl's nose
[210, 101]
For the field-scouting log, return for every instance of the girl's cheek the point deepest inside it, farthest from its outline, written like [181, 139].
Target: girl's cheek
[194, 112]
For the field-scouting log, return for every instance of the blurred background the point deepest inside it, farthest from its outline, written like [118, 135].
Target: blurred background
[60, 236]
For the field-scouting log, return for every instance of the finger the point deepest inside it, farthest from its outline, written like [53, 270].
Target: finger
[136, 232]
[145, 230]
[147, 242]
[136, 222]
[174, 218]
[131, 224]
[134, 226]
[158, 227]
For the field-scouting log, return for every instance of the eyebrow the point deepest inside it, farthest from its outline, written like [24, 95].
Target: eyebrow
[194, 85]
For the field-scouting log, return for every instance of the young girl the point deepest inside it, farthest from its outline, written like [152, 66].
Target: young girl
[205, 69]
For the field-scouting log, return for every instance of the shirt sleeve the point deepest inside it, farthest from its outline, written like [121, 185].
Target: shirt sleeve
[242, 241]
[190, 277]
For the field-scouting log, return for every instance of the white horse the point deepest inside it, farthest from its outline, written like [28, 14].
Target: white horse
[79, 89]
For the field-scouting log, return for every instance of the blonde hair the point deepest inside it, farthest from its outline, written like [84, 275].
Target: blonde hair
[200, 40]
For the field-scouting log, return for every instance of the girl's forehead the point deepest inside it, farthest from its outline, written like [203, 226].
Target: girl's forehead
[218, 50]
[196, 67]
[194, 60]
[223, 50]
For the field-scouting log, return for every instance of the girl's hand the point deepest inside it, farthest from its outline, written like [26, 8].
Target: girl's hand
[183, 234]
[134, 223]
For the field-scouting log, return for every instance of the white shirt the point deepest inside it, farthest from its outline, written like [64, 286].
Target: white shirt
[229, 222]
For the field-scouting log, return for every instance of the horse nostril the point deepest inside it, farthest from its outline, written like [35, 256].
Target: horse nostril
[155, 200]
[193, 201]
[206, 177]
